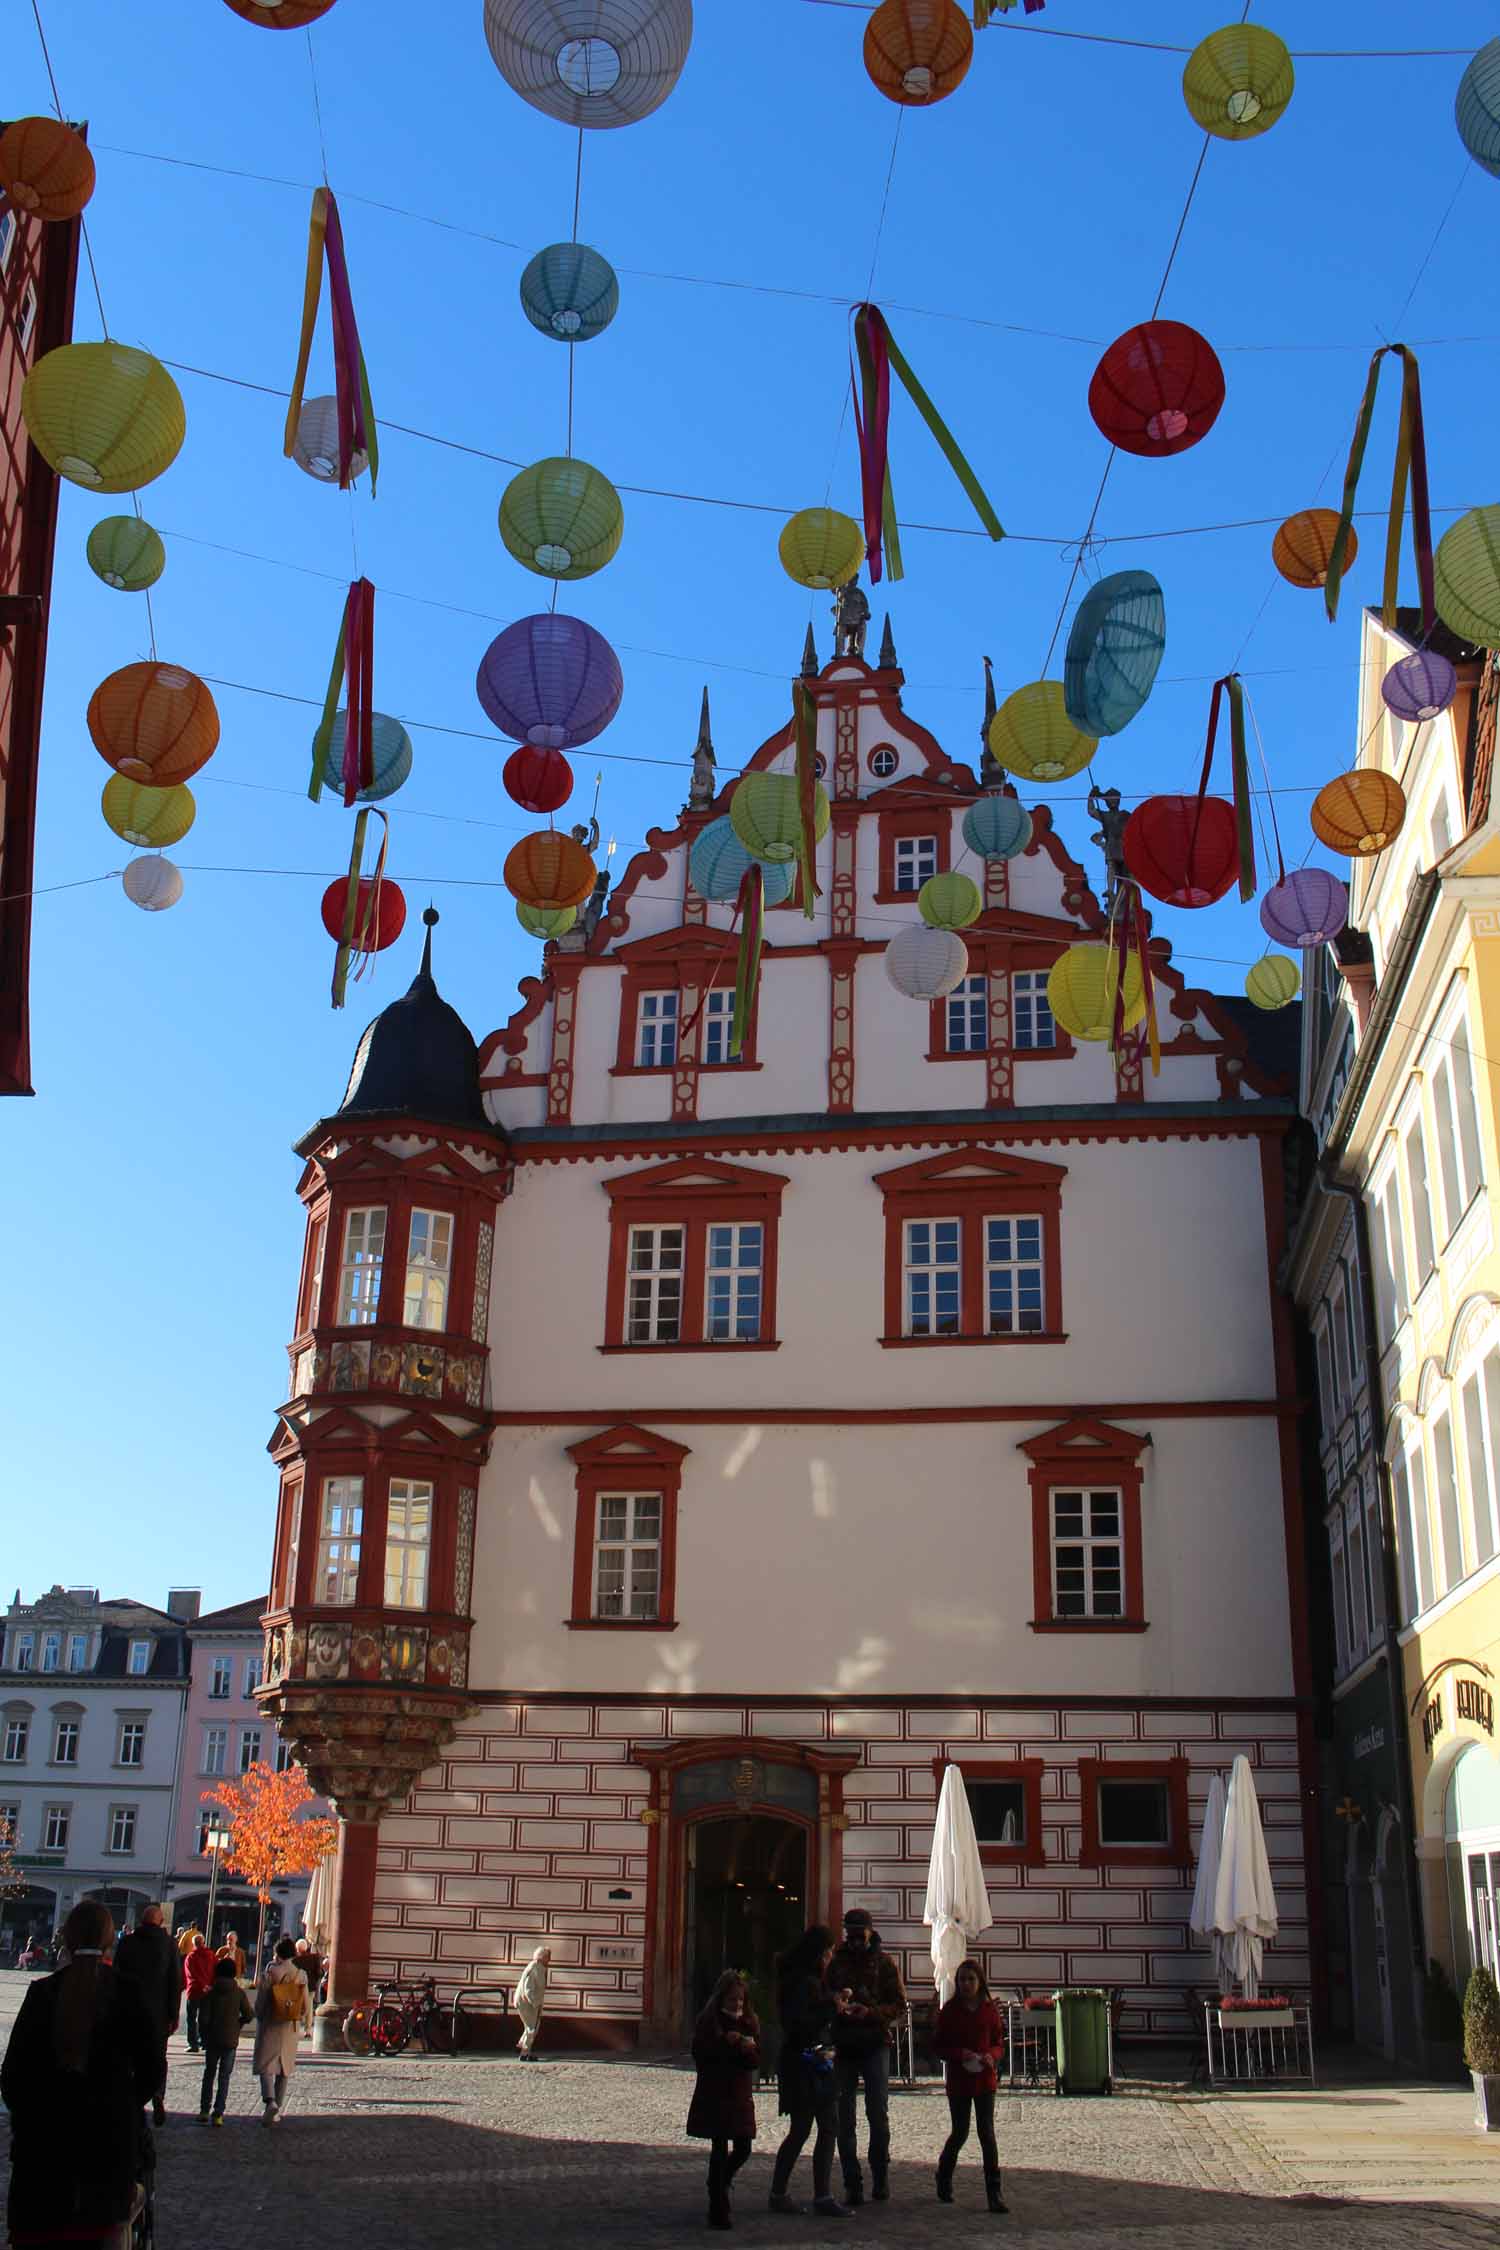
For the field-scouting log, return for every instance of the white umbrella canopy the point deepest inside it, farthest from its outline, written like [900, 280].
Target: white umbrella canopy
[1244, 1901]
[1205, 1888]
[958, 1904]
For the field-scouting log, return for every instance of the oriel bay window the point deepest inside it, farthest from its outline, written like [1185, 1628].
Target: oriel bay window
[972, 1249]
[625, 1538]
[360, 1266]
[429, 1262]
[339, 1534]
[408, 1543]
[1086, 1528]
[692, 1263]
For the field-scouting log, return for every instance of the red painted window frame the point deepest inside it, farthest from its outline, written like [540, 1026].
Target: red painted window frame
[376, 1471]
[1081, 1452]
[694, 1193]
[1028, 1771]
[992, 955]
[624, 1458]
[698, 957]
[931, 818]
[1176, 1852]
[972, 1185]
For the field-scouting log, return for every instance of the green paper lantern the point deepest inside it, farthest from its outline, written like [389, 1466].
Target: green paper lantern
[1237, 82]
[821, 548]
[1031, 734]
[1273, 981]
[949, 902]
[765, 815]
[545, 921]
[1466, 576]
[126, 553]
[140, 814]
[569, 292]
[561, 518]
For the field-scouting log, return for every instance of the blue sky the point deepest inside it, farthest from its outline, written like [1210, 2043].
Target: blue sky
[154, 1229]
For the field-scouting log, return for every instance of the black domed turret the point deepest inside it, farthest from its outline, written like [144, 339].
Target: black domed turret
[418, 1058]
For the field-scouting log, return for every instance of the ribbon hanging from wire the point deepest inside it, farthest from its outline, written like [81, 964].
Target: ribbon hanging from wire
[354, 657]
[356, 415]
[879, 356]
[1410, 463]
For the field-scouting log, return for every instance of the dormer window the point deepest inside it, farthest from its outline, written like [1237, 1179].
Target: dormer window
[51, 1652]
[78, 1652]
[23, 1651]
[656, 1030]
[140, 1658]
[916, 860]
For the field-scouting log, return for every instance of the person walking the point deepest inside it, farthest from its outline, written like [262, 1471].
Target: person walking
[80, 2066]
[225, 2011]
[198, 1967]
[147, 1957]
[807, 2096]
[970, 2040]
[862, 2036]
[282, 2006]
[726, 2048]
[531, 1998]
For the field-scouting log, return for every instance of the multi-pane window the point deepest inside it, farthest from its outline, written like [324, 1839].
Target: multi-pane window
[429, 1260]
[1390, 1260]
[215, 1749]
[1421, 1203]
[140, 1658]
[17, 1735]
[653, 1298]
[285, 1755]
[65, 1743]
[1359, 1600]
[56, 1821]
[1032, 1024]
[249, 1748]
[122, 1828]
[51, 1652]
[1445, 1481]
[209, 1818]
[253, 1674]
[732, 1283]
[1480, 1399]
[1457, 1119]
[1374, 1561]
[718, 1022]
[317, 1245]
[932, 1276]
[656, 1029]
[221, 1678]
[360, 1266]
[967, 1018]
[131, 1750]
[1339, 1330]
[1013, 1276]
[10, 1825]
[78, 1652]
[1413, 1535]
[1340, 1582]
[916, 857]
[23, 1652]
[627, 1555]
[1088, 1577]
[408, 1543]
[337, 1578]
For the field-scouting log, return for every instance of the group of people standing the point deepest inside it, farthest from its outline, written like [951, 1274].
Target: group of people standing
[838, 2007]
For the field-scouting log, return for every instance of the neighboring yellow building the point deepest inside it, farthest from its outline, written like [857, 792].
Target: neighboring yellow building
[1415, 1127]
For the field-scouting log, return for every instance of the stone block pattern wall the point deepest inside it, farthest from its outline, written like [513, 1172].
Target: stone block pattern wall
[530, 1832]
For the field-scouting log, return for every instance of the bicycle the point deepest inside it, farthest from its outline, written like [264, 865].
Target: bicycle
[399, 2013]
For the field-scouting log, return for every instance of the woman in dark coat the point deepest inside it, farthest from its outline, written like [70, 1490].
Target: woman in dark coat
[80, 2067]
[726, 2048]
[805, 2071]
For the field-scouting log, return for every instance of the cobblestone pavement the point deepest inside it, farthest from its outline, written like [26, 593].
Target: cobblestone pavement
[446, 2152]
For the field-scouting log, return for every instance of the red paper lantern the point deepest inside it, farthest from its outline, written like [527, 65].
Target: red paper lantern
[539, 779]
[280, 15]
[1183, 850]
[390, 913]
[1158, 389]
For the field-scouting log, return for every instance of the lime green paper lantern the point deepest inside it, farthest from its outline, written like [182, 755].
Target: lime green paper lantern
[765, 815]
[561, 518]
[1273, 981]
[126, 553]
[105, 416]
[1081, 988]
[1031, 734]
[949, 902]
[1466, 576]
[821, 548]
[140, 814]
[545, 921]
[1237, 82]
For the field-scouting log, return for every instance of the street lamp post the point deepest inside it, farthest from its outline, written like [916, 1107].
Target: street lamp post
[218, 1840]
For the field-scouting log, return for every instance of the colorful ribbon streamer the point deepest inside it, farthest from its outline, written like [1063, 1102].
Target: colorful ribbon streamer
[1239, 773]
[354, 653]
[751, 909]
[806, 719]
[357, 428]
[1411, 459]
[361, 922]
[878, 354]
[984, 9]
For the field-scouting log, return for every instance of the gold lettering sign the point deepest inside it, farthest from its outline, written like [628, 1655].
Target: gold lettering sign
[1473, 1702]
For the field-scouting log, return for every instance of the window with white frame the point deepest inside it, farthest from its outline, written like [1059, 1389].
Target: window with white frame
[1088, 1571]
[916, 857]
[1445, 1493]
[1031, 1022]
[122, 1828]
[10, 1825]
[336, 1582]
[51, 1652]
[408, 1543]
[1413, 1532]
[1390, 1259]
[254, 1670]
[1421, 1203]
[130, 1750]
[627, 1555]
[249, 1748]
[1456, 1115]
[140, 1658]
[215, 1749]
[8, 229]
[209, 1817]
[932, 1276]
[1323, 1346]
[221, 1679]
[732, 1283]
[1013, 1292]
[285, 1755]
[429, 1261]
[65, 1742]
[78, 1652]
[1338, 1329]
[17, 1736]
[1340, 1584]
[653, 1285]
[717, 1025]
[967, 1017]
[1440, 828]
[1479, 1400]
[56, 1821]
[1348, 1299]
[23, 1652]
[656, 1030]
[361, 1265]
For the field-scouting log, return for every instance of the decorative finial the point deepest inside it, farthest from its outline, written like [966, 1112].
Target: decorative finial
[887, 647]
[701, 788]
[809, 656]
[430, 917]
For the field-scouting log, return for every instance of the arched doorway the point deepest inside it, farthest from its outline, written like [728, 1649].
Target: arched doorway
[745, 1901]
[1471, 1826]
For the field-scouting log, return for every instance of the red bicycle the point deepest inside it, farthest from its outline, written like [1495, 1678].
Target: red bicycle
[398, 2014]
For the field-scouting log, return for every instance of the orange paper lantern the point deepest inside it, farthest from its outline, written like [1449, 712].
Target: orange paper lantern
[154, 722]
[1303, 546]
[1359, 813]
[918, 51]
[45, 167]
[549, 870]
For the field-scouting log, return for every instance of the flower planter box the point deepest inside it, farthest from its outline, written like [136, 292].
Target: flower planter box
[1256, 2019]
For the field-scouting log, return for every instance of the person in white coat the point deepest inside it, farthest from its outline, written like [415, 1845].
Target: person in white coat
[531, 1996]
[283, 2005]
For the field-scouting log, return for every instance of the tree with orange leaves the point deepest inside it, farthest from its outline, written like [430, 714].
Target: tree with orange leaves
[267, 1840]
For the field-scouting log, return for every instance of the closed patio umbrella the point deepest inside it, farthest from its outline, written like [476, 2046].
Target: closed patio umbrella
[1205, 1888]
[958, 1905]
[317, 1912]
[1244, 1901]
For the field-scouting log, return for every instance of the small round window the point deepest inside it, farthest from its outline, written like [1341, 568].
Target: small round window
[883, 762]
[820, 764]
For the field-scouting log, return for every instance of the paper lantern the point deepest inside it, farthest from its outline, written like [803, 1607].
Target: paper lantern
[1477, 108]
[718, 863]
[538, 779]
[315, 447]
[1307, 907]
[46, 168]
[561, 518]
[280, 15]
[590, 62]
[1158, 389]
[1183, 850]
[918, 51]
[390, 755]
[821, 548]
[1114, 651]
[1081, 988]
[546, 921]
[141, 815]
[1419, 686]
[1466, 574]
[154, 722]
[1237, 82]
[925, 963]
[766, 815]
[1032, 734]
[153, 884]
[1303, 547]
[569, 292]
[550, 679]
[997, 827]
[1359, 812]
[105, 416]
[1273, 981]
[549, 870]
[390, 913]
[949, 902]
[126, 553]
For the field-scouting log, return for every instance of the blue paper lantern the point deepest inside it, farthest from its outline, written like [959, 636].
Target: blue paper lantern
[1477, 108]
[997, 827]
[390, 749]
[569, 292]
[1114, 651]
[719, 862]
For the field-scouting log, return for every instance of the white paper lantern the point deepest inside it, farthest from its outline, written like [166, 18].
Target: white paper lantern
[925, 963]
[152, 883]
[315, 448]
[590, 62]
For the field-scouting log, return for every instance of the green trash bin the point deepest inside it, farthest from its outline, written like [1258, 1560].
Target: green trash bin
[1082, 2032]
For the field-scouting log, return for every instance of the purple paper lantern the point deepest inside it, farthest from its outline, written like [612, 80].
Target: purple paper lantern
[1419, 686]
[551, 680]
[1306, 907]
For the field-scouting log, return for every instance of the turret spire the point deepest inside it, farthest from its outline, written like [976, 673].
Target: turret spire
[809, 656]
[431, 917]
[703, 786]
[887, 661]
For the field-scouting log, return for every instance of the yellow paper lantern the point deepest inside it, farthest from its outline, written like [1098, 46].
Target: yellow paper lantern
[1081, 988]
[1031, 734]
[45, 167]
[143, 815]
[1359, 813]
[1237, 82]
[1273, 981]
[561, 518]
[105, 416]
[821, 548]
[949, 902]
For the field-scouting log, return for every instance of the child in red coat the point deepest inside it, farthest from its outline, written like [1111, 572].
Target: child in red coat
[970, 2040]
[726, 2048]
